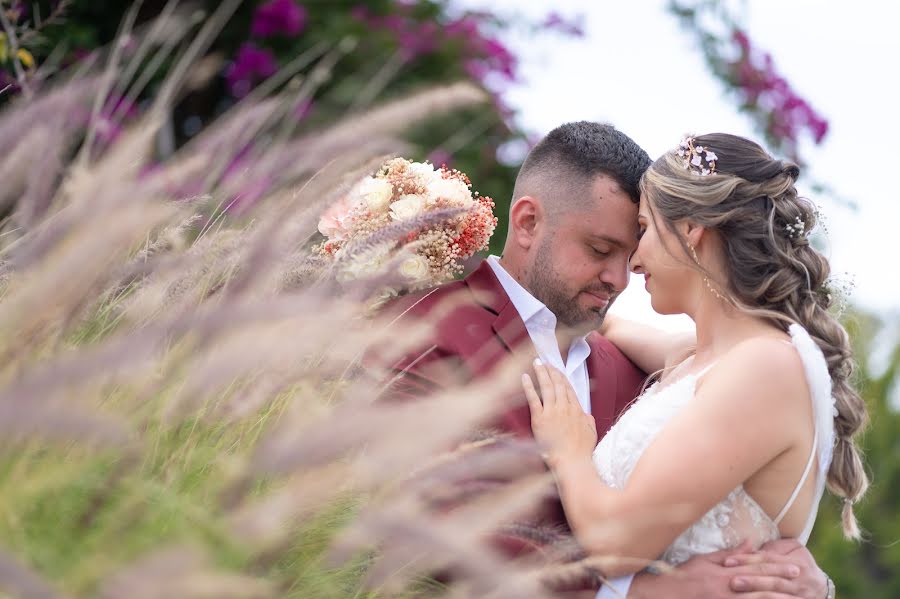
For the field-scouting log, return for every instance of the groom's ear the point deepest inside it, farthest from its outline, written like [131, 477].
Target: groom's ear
[526, 217]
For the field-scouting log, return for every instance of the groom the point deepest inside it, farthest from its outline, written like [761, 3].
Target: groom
[572, 229]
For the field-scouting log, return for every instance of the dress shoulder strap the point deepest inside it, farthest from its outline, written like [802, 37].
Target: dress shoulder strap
[704, 370]
[806, 471]
[819, 381]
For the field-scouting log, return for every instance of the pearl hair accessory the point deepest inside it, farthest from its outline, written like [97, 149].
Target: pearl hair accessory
[697, 159]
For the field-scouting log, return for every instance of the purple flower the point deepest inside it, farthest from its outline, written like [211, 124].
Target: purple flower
[741, 39]
[500, 58]
[475, 69]
[555, 21]
[277, 17]
[439, 157]
[463, 28]
[18, 10]
[819, 128]
[761, 86]
[250, 65]
[361, 12]
[418, 39]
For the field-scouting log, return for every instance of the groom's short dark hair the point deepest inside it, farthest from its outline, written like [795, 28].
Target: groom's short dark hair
[569, 158]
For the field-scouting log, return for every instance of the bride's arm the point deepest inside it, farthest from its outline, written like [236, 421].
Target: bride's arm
[652, 349]
[724, 435]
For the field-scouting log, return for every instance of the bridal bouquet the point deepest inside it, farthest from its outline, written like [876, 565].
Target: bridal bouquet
[419, 219]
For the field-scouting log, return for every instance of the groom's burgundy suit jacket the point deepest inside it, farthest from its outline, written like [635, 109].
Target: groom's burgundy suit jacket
[482, 328]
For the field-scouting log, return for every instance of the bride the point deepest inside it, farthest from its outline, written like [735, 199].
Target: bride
[738, 438]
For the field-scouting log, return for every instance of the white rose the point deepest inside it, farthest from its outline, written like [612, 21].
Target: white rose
[415, 268]
[364, 264]
[376, 193]
[423, 170]
[407, 207]
[452, 190]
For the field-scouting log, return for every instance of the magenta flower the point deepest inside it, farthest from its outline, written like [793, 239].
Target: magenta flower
[819, 128]
[476, 70]
[500, 58]
[249, 66]
[394, 23]
[439, 157]
[18, 10]
[360, 13]
[418, 39]
[555, 21]
[760, 85]
[278, 17]
[742, 40]
[464, 27]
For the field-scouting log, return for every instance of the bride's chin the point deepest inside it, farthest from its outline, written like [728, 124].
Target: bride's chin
[660, 306]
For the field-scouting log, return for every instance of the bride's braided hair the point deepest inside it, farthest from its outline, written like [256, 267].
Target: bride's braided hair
[751, 200]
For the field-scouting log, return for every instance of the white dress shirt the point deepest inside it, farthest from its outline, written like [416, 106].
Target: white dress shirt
[540, 323]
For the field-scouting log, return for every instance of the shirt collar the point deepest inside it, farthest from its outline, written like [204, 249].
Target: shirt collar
[526, 304]
[538, 317]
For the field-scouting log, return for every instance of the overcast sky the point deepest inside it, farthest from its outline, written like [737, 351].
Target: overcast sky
[638, 70]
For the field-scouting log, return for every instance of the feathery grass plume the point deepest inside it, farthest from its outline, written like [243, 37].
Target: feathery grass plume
[21, 114]
[18, 164]
[22, 583]
[183, 382]
[413, 541]
[53, 421]
[181, 572]
[28, 124]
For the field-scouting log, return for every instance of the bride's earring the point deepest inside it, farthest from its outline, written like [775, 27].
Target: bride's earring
[705, 278]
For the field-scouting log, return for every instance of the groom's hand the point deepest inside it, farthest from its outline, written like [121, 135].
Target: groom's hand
[810, 582]
[780, 570]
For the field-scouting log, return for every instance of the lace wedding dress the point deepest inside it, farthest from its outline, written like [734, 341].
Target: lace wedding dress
[737, 517]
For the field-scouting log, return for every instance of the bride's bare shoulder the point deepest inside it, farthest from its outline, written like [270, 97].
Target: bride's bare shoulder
[764, 365]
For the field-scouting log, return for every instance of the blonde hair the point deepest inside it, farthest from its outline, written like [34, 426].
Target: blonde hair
[772, 270]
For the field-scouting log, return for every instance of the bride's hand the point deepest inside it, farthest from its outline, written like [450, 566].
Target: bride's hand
[559, 423]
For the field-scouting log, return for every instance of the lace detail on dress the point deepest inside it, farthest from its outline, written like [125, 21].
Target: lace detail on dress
[737, 517]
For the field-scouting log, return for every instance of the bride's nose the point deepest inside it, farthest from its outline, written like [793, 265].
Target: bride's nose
[634, 263]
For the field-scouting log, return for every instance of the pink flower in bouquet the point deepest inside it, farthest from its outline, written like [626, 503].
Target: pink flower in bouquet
[431, 215]
[334, 223]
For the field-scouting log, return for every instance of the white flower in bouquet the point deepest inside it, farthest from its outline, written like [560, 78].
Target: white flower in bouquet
[424, 171]
[452, 191]
[434, 248]
[415, 268]
[376, 193]
[407, 207]
[365, 263]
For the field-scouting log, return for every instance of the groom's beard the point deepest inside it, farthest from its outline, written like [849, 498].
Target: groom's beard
[562, 300]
